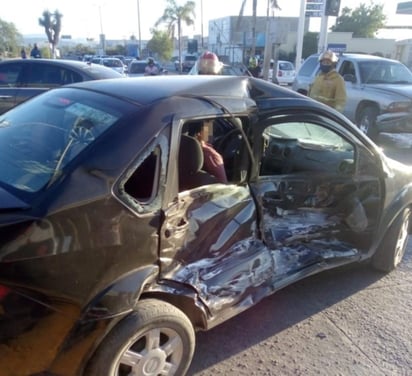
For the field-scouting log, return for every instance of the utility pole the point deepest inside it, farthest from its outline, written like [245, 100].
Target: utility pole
[301, 28]
[138, 24]
[201, 21]
[268, 45]
[323, 36]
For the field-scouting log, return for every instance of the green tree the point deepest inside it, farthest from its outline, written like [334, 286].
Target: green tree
[52, 23]
[273, 4]
[310, 44]
[363, 21]
[173, 16]
[160, 45]
[10, 39]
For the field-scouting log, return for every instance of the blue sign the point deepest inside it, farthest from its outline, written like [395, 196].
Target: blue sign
[337, 47]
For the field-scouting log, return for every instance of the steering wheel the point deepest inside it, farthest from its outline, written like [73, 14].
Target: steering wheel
[228, 144]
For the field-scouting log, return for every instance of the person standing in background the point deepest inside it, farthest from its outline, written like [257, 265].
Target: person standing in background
[35, 52]
[329, 86]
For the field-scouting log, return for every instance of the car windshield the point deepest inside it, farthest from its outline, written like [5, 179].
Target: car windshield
[384, 72]
[308, 134]
[40, 137]
[112, 63]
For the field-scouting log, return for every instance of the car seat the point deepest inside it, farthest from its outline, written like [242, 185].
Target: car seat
[191, 174]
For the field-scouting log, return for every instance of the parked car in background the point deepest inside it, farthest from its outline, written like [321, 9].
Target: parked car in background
[227, 70]
[115, 64]
[21, 79]
[379, 91]
[188, 62]
[284, 72]
[137, 68]
[116, 246]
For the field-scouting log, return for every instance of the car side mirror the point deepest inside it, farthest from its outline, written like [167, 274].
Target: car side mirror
[349, 78]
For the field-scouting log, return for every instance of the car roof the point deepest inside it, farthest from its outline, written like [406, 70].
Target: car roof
[145, 90]
[358, 56]
[95, 71]
[365, 57]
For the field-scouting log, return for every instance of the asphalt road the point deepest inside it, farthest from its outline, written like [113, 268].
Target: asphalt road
[348, 321]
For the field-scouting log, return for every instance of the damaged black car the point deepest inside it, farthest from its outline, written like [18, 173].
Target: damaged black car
[117, 244]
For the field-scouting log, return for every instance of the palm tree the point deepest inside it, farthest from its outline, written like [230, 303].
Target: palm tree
[52, 23]
[173, 16]
[271, 3]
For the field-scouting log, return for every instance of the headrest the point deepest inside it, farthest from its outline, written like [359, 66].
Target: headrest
[190, 155]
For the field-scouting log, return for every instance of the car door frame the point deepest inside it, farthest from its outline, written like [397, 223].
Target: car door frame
[360, 149]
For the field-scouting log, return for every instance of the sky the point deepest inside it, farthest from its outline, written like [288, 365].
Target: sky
[119, 19]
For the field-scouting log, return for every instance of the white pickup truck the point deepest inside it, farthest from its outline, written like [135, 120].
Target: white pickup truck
[379, 91]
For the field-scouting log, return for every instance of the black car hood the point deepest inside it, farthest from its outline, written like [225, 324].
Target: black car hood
[9, 201]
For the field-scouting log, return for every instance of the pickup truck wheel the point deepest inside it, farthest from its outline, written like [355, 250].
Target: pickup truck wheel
[367, 122]
[156, 339]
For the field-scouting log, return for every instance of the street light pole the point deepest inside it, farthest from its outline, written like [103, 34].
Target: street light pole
[139, 30]
[201, 20]
[102, 36]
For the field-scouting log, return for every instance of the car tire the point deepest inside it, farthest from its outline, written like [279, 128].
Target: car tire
[367, 122]
[156, 339]
[392, 249]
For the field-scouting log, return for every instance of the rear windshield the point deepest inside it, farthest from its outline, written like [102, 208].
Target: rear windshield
[137, 68]
[286, 66]
[112, 63]
[40, 137]
[190, 58]
[309, 66]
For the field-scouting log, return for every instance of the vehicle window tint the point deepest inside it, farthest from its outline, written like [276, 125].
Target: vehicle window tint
[190, 58]
[347, 68]
[303, 147]
[285, 66]
[9, 74]
[137, 68]
[69, 77]
[308, 66]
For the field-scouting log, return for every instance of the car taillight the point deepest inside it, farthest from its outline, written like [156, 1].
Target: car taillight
[280, 74]
[4, 291]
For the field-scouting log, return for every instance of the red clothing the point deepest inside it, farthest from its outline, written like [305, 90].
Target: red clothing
[213, 162]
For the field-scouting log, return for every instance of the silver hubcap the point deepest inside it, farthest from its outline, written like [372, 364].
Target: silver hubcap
[402, 240]
[158, 352]
[364, 124]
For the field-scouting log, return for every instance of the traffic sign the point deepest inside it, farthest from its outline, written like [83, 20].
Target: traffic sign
[314, 8]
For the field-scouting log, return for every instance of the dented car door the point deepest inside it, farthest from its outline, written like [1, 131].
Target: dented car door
[319, 193]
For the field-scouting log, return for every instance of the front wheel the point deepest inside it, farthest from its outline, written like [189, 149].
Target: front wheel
[157, 339]
[367, 122]
[390, 252]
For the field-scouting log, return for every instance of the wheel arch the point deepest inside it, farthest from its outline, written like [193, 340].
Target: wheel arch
[187, 303]
[362, 105]
[403, 201]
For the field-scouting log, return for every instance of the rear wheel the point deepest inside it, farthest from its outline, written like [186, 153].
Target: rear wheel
[157, 339]
[391, 250]
[367, 122]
